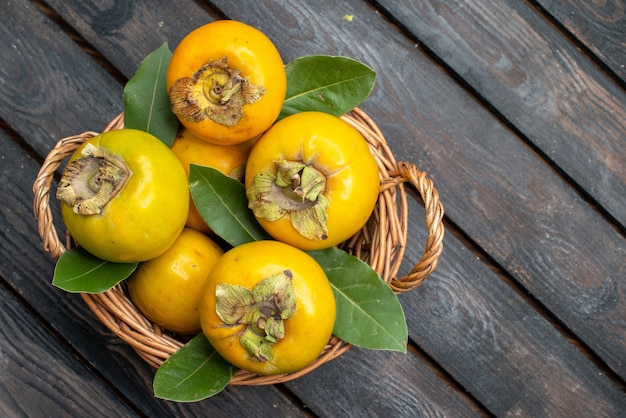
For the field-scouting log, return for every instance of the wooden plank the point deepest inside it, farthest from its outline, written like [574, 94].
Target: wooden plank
[539, 81]
[357, 385]
[27, 353]
[47, 83]
[414, 150]
[317, 41]
[67, 313]
[126, 34]
[27, 269]
[123, 29]
[493, 186]
[303, 38]
[600, 26]
[493, 341]
[479, 329]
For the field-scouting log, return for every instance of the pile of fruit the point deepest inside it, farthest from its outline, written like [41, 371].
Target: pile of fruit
[219, 207]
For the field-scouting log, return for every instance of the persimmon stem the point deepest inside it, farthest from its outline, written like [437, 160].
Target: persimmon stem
[216, 91]
[91, 181]
[295, 190]
[263, 310]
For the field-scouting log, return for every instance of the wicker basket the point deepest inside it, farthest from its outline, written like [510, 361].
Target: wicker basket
[381, 243]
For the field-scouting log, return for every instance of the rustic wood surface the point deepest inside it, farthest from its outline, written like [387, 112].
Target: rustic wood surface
[516, 110]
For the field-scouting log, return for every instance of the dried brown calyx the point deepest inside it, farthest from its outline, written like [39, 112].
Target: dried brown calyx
[91, 181]
[262, 310]
[216, 91]
[295, 191]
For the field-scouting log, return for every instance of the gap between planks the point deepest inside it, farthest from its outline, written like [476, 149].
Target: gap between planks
[580, 191]
[527, 297]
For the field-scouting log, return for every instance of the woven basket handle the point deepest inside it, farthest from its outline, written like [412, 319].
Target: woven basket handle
[403, 172]
[41, 191]
[41, 187]
[406, 172]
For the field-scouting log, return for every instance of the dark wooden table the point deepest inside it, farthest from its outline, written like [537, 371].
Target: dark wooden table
[517, 111]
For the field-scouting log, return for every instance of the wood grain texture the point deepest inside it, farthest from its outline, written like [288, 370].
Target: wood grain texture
[492, 184]
[128, 31]
[121, 31]
[538, 80]
[512, 206]
[356, 381]
[47, 83]
[27, 269]
[34, 364]
[599, 25]
[27, 353]
[496, 344]
[67, 313]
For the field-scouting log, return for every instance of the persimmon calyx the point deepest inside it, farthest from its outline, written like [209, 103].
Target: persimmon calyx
[296, 190]
[263, 310]
[216, 91]
[91, 181]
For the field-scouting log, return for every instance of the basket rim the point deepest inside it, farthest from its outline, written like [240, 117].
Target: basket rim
[382, 248]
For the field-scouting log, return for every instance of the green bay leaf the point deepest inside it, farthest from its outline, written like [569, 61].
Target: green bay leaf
[194, 372]
[222, 203]
[146, 100]
[330, 84]
[369, 314]
[79, 271]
